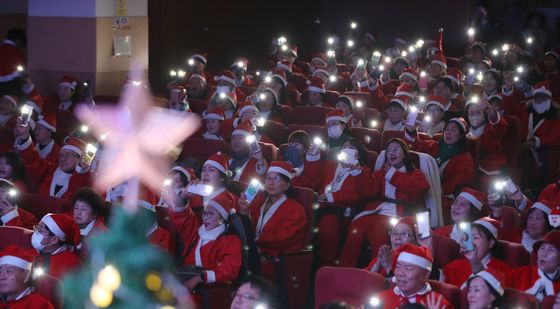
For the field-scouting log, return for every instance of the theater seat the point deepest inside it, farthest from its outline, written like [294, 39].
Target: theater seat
[307, 198]
[198, 106]
[331, 97]
[308, 115]
[445, 249]
[200, 149]
[40, 205]
[50, 288]
[277, 132]
[449, 291]
[510, 218]
[548, 302]
[513, 254]
[13, 235]
[371, 138]
[511, 141]
[164, 220]
[286, 112]
[269, 151]
[312, 130]
[386, 135]
[372, 157]
[294, 96]
[299, 81]
[351, 285]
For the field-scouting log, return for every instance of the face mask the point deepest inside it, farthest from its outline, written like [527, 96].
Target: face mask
[476, 120]
[293, 155]
[542, 107]
[223, 89]
[228, 114]
[36, 240]
[335, 131]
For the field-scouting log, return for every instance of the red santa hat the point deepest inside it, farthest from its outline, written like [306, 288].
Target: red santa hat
[281, 76]
[476, 198]
[188, 172]
[202, 57]
[401, 100]
[412, 254]
[552, 237]
[460, 121]
[544, 206]
[440, 60]
[227, 76]
[75, 144]
[284, 65]
[410, 72]
[455, 76]
[348, 100]
[48, 120]
[215, 113]
[405, 89]
[489, 224]
[337, 115]
[147, 205]
[494, 278]
[553, 52]
[282, 167]
[320, 69]
[437, 100]
[316, 84]
[438, 41]
[63, 227]
[246, 106]
[242, 63]
[17, 256]
[69, 82]
[201, 77]
[220, 162]
[319, 57]
[495, 96]
[223, 205]
[10, 98]
[245, 128]
[179, 89]
[542, 87]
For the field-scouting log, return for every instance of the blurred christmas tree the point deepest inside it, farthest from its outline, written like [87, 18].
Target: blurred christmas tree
[123, 270]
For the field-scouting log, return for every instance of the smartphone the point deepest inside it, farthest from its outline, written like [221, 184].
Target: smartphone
[466, 228]
[375, 58]
[87, 88]
[200, 189]
[26, 112]
[412, 115]
[423, 222]
[361, 64]
[348, 156]
[510, 186]
[252, 190]
[89, 154]
[253, 143]
[317, 142]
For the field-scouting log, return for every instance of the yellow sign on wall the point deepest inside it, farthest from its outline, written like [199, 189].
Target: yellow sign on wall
[121, 8]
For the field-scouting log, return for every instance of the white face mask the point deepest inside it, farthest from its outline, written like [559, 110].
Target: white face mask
[223, 89]
[335, 131]
[543, 107]
[476, 120]
[36, 240]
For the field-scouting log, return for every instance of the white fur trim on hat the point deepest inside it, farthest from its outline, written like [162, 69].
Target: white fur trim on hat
[220, 209]
[11, 99]
[488, 226]
[279, 170]
[413, 76]
[72, 148]
[542, 90]
[225, 78]
[460, 123]
[541, 206]
[200, 57]
[53, 227]
[443, 64]
[246, 108]
[416, 260]
[438, 104]
[323, 62]
[338, 118]
[316, 89]
[71, 85]
[280, 65]
[216, 165]
[15, 261]
[452, 78]
[317, 71]
[494, 96]
[469, 197]
[490, 279]
[182, 170]
[45, 124]
[398, 101]
[214, 116]
[34, 105]
[240, 132]
[405, 93]
[202, 78]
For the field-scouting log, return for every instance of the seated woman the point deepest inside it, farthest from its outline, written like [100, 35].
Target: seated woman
[456, 164]
[543, 279]
[465, 208]
[245, 164]
[55, 238]
[484, 237]
[396, 113]
[536, 227]
[10, 214]
[179, 179]
[178, 99]
[213, 121]
[403, 232]
[268, 105]
[337, 130]
[315, 95]
[89, 212]
[208, 244]
[278, 220]
[345, 104]
[434, 121]
[394, 189]
[486, 289]
[344, 182]
[12, 169]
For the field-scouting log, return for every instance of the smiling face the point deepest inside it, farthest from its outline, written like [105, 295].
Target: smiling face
[410, 278]
[402, 234]
[479, 295]
[13, 280]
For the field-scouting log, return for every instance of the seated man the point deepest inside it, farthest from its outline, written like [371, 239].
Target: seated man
[15, 274]
[244, 163]
[54, 238]
[10, 214]
[412, 265]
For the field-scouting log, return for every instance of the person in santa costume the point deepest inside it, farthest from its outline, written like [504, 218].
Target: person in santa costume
[225, 83]
[65, 98]
[267, 103]
[537, 225]
[208, 243]
[197, 65]
[456, 164]
[16, 265]
[179, 179]
[486, 289]
[244, 163]
[437, 69]
[315, 93]
[434, 121]
[396, 112]
[337, 130]
[246, 112]
[89, 212]
[60, 180]
[215, 173]
[278, 220]
[466, 207]
[197, 88]
[345, 104]
[12, 169]
[10, 213]
[551, 65]
[456, 76]
[394, 190]
[412, 265]
[279, 84]
[484, 237]
[44, 138]
[544, 278]
[298, 143]
[12, 57]
[55, 238]
[8, 118]
[157, 235]
[213, 120]
[445, 87]
[227, 102]
[239, 69]
[178, 99]
[403, 232]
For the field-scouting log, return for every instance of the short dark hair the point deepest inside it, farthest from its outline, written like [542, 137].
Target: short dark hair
[14, 160]
[499, 299]
[268, 292]
[300, 136]
[92, 198]
[448, 83]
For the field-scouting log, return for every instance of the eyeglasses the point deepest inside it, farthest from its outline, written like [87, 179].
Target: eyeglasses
[245, 297]
[401, 235]
[207, 214]
[394, 150]
[272, 178]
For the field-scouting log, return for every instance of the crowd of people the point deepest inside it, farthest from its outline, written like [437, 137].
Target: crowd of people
[473, 140]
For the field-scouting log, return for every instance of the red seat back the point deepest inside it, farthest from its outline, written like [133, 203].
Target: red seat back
[351, 285]
[106, 99]
[294, 96]
[269, 151]
[448, 291]
[445, 250]
[286, 112]
[309, 115]
[331, 96]
[200, 149]
[299, 81]
[372, 157]
[371, 138]
[277, 132]
[40, 205]
[312, 130]
[12, 235]
[386, 135]
[51, 289]
[513, 254]
[511, 141]
[247, 90]
[306, 197]
[510, 218]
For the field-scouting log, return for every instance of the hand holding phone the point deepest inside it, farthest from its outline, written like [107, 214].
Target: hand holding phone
[26, 112]
[89, 154]
[200, 189]
[252, 190]
[253, 143]
[423, 223]
[467, 235]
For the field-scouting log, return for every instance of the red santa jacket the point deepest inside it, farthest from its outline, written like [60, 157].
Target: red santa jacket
[491, 156]
[547, 130]
[161, 238]
[58, 264]
[349, 188]
[248, 171]
[512, 103]
[554, 79]
[44, 172]
[49, 153]
[221, 257]
[281, 229]
[458, 271]
[28, 300]
[19, 217]
[11, 57]
[528, 279]
[393, 298]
